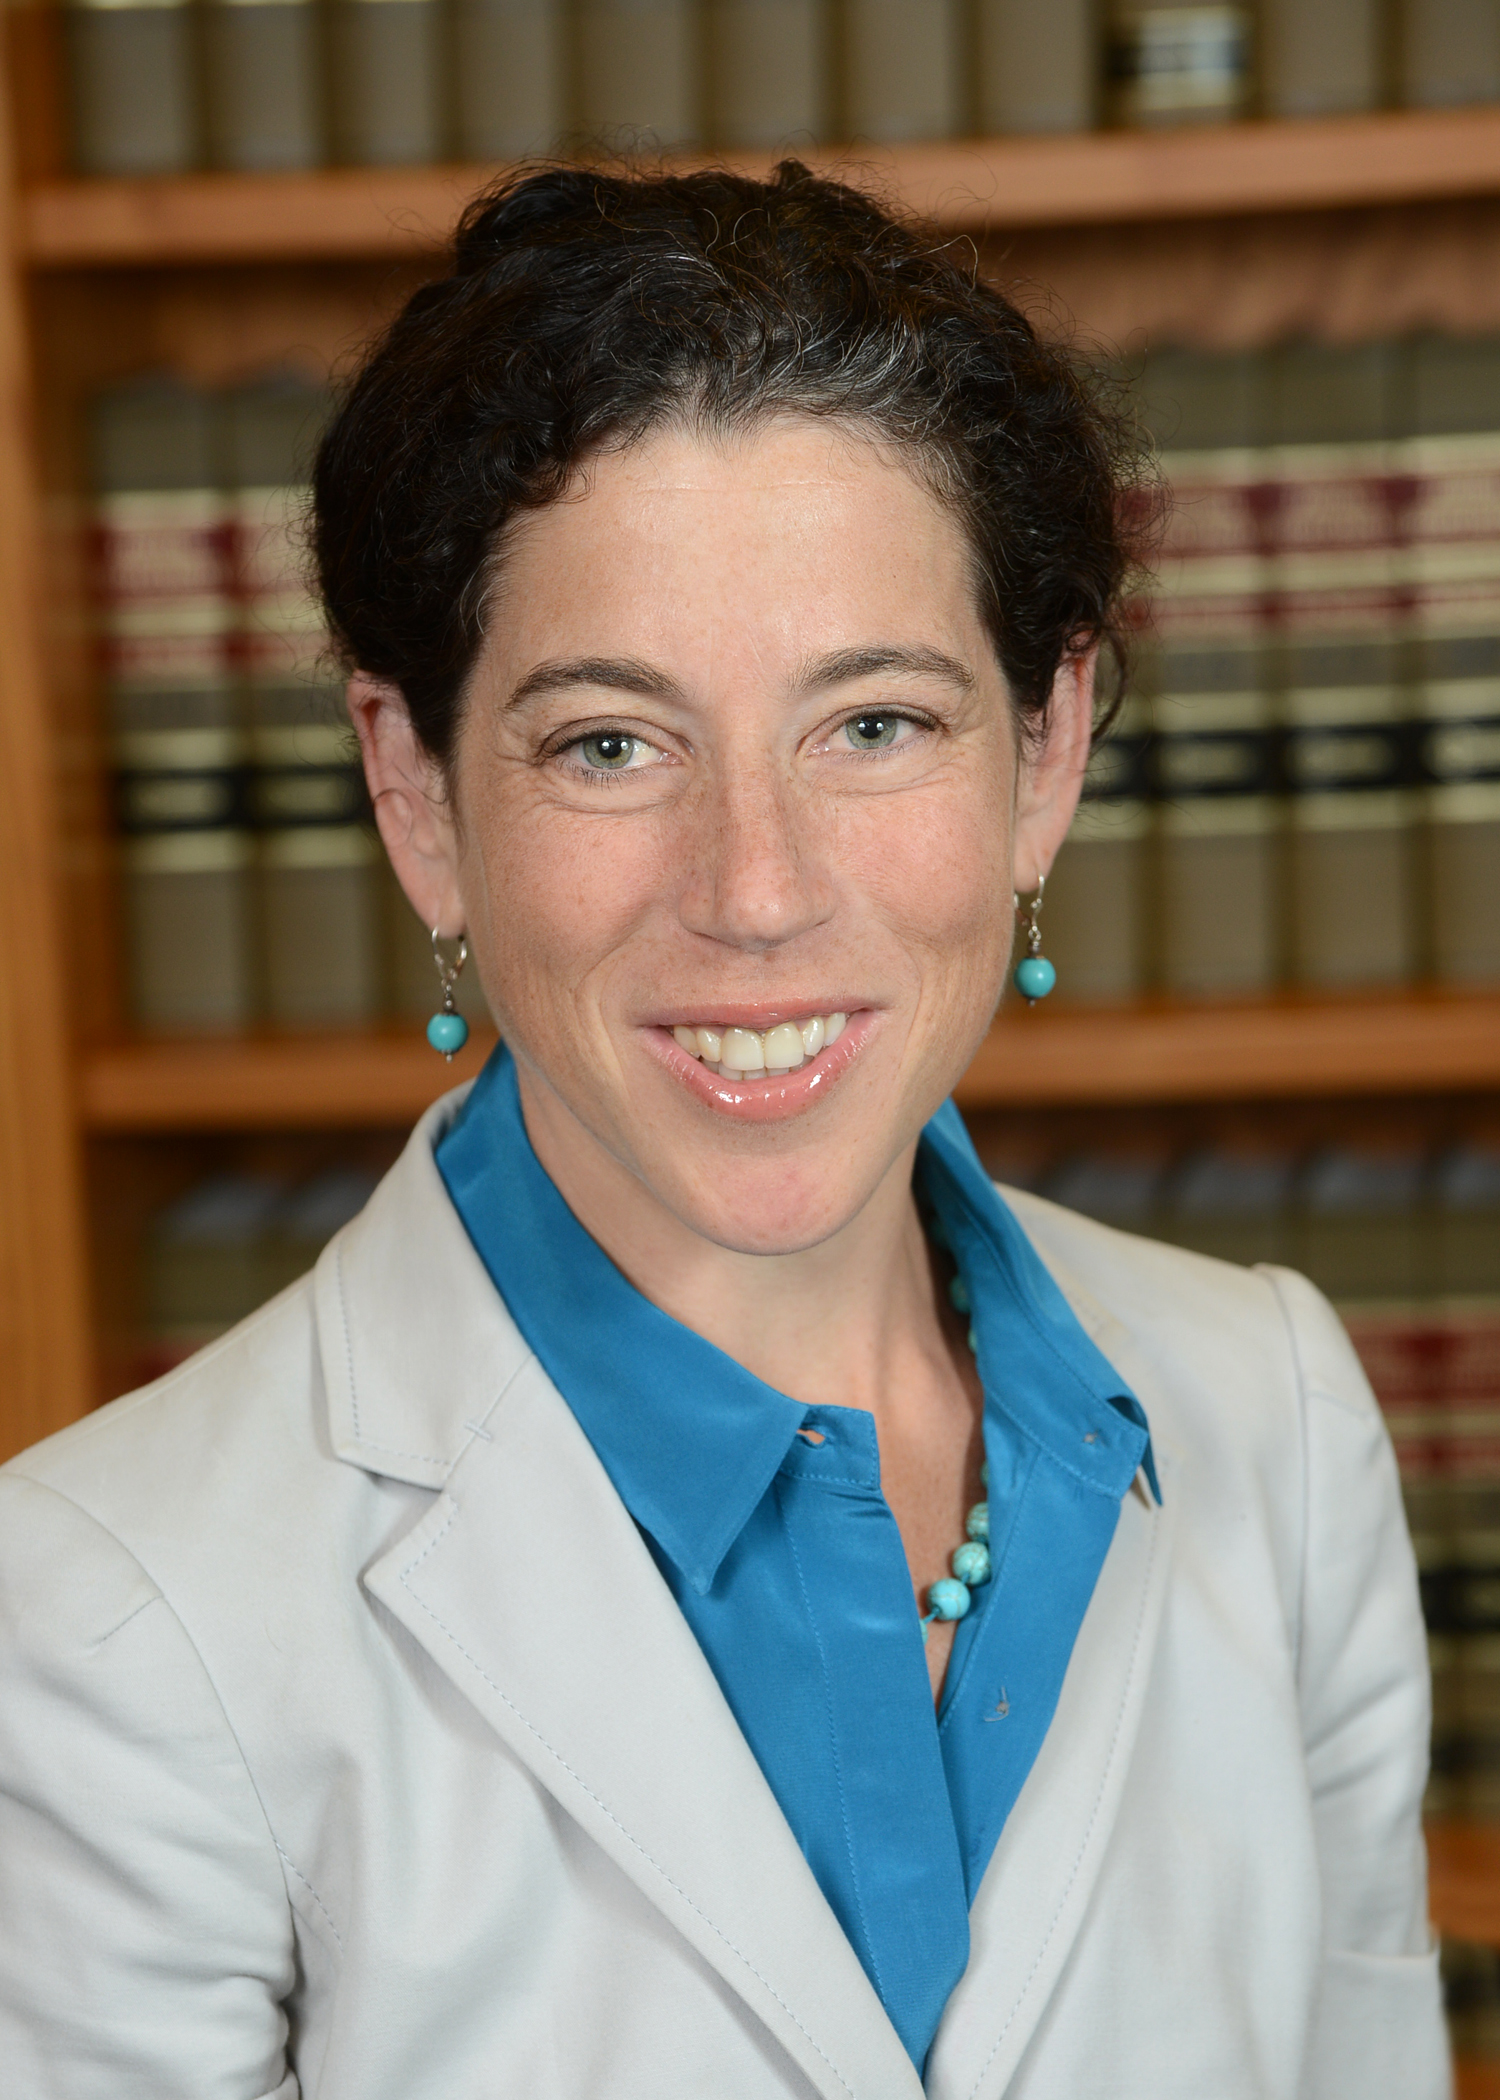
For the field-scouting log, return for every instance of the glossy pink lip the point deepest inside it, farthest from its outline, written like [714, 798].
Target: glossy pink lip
[773, 1097]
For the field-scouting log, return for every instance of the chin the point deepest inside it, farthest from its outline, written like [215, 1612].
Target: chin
[770, 1211]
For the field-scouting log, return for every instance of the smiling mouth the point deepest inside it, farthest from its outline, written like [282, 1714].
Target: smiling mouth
[749, 1053]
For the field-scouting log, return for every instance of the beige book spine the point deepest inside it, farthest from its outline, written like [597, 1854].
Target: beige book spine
[1320, 57]
[320, 925]
[639, 70]
[510, 69]
[1038, 66]
[262, 84]
[767, 71]
[1460, 759]
[131, 88]
[387, 66]
[1170, 65]
[1449, 53]
[903, 74]
[1095, 911]
[1218, 843]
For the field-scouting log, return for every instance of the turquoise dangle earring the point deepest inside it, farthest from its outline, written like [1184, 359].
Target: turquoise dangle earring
[1035, 976]
[448, 1031]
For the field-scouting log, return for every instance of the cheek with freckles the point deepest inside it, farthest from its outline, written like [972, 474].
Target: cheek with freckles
[557, 898]
[939, 878]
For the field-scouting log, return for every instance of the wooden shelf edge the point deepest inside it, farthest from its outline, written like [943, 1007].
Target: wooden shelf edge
[354, 1081]
[969, 185]
[1280, 1049]
[1428, 1043]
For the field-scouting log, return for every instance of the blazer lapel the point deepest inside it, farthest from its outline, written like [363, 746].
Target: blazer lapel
[1040, 1880]
[530, 1586]
[1037, 1888]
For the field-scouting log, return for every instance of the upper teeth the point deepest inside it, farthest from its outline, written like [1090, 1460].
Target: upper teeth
[736, 1051]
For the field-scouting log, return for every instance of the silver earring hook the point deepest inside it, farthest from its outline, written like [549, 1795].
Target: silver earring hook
[1034, 915]
[448, 972]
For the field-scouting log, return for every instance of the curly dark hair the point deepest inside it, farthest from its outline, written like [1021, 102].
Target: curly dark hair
[585, 307]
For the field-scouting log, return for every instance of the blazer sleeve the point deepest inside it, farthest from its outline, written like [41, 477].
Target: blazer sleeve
[146, 1940]
[1366, 1715]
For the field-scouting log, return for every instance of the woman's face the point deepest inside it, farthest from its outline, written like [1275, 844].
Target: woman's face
[738, 758]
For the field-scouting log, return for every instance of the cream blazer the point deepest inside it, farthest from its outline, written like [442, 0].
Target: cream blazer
[351, 1745]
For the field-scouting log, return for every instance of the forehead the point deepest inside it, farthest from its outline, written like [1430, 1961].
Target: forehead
[792, 531]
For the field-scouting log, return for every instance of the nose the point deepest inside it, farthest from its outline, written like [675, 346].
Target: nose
[759, 874]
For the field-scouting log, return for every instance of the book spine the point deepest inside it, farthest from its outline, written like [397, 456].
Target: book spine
[1460, 758]
[1351, 879]
[322, 959]
[509, 69]
[262, 84]
[767, 70]
[903, 76]
[1449, 53]
[1436, 1373]
[1178, 65]
[1214, 765]
[1338, 608]
[639, 70]
[1454, 557]
[1038, 67]
[387, 80]
[1320, 57]
[207, 1264]
[179, 757]
[130, 77]
[1218, 839]
[1096, 898]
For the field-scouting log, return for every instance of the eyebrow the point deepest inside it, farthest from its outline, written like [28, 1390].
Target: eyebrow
[845, 665]
[841, 667]
[621, 674]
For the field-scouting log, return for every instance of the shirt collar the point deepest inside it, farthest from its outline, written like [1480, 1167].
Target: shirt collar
[1039, 1369]
[690, 1439]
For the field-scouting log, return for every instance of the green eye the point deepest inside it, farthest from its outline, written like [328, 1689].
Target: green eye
[609, 752]
[871, 732]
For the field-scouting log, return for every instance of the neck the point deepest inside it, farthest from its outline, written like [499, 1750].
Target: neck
[851, 1322]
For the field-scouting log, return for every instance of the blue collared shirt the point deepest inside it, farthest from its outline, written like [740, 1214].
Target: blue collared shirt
[787, 1563]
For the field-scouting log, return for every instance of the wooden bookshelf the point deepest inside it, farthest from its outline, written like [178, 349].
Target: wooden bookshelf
[1334, 221]
[217, 274]
[1432, 1043]
[1463, 1868]
[1463, 1879]
[975, 186]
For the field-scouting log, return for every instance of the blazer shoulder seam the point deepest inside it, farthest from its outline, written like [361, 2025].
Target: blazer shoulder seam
[161, 1597]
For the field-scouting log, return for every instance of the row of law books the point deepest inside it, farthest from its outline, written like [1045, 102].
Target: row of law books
[227, 1244]
[160, 86]
[253, 886]
[1405, 1240]
[1304, 786]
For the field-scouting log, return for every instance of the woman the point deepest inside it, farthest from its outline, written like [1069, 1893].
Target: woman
[697, 1594]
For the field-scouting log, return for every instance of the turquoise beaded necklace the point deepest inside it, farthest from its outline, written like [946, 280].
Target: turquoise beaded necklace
[950, 1596]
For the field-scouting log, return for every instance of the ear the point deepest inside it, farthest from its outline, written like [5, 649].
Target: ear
[1050, 776]
[413, 812]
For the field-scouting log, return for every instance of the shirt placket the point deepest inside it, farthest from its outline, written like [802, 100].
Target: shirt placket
[904, 1874]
